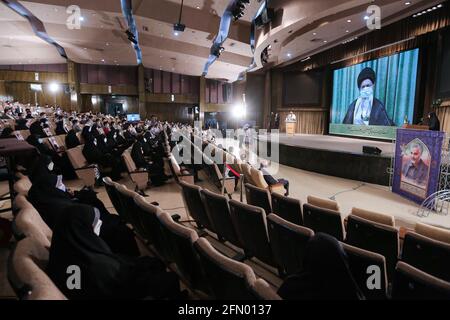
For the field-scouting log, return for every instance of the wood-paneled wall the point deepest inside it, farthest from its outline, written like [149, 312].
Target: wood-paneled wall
[104, 89]
[309, 120]
[166, 98]
[100, 103]
[3, 94]
[169, 111]
[22, 92]
[27, 76]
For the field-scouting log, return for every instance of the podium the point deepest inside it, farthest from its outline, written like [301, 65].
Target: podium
[415, 127]
[290, 127]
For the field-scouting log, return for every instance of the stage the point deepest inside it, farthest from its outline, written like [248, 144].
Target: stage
[335, 156]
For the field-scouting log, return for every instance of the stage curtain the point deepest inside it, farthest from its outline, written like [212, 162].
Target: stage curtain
[403, 35]
[443, 114]
[308, 122]
[392, 87]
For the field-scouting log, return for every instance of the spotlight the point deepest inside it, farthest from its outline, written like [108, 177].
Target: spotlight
[131, 36]
[238, 10]
[54, 87]
[217, 50]
[239, 111]
[178, 27]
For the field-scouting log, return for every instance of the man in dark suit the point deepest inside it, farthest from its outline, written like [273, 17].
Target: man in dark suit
[367, 110]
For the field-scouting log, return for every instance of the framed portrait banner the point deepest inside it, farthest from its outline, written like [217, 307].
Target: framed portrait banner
[417, 163]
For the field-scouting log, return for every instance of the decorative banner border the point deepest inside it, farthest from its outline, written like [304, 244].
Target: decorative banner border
[431, 143]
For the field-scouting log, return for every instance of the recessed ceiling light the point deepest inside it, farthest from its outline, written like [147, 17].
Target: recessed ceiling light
[289, 55]
[407, 3]
[81, 18]
[103, 60]
[176, 33]
[439, 5]
[107, 44]
[325, 41]
[314, 33]
[85, 48]
[366, 17]
[198, 7]
[349, 20]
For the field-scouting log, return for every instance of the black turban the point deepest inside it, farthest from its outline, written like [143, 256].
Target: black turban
[366, 73]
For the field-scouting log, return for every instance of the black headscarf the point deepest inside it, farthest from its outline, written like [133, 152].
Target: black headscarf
[7, 133]
[434, 124]
[40, 171]
[74, 243]
[325, 274]
[72, 140]
[104, 275]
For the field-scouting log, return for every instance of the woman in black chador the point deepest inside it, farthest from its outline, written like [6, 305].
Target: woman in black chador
[102, 274]
[49, 196]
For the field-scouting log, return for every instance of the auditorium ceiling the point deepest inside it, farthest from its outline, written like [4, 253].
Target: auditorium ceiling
[301, 29]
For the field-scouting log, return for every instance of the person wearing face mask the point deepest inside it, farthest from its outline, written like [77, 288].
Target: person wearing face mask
[37, 128]
[71, 139]
[367, 110]
[51, 198]
[60, 126]
[61, 160]
[93, 154]
[104, 274]
[21, 122]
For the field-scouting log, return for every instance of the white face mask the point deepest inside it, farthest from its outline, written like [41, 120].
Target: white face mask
[50, 166]
[60, 185]
[366, 93]
[97, 227]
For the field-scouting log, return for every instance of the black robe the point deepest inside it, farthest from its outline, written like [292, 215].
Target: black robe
[434, 124]
[103, 274]
[137, 154]
[72, 140]
[378, 115]
[36, 129]
[21, 124]
[60, 128]
[52, 203]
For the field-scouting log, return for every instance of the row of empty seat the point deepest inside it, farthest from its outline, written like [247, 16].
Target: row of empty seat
[201, 266]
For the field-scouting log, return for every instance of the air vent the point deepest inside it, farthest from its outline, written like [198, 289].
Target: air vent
[232, 44]
[174, 59]
[6, 46]
[316, 40]
[145, 28]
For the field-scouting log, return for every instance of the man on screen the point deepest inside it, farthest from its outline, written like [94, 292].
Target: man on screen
[416, 169]
[367, 110]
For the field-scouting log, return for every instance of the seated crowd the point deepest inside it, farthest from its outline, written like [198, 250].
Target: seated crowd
[319, 264]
